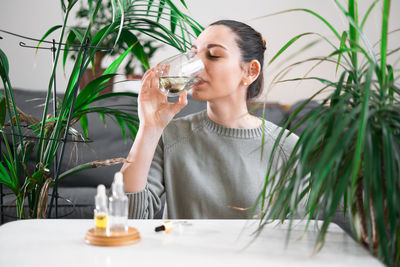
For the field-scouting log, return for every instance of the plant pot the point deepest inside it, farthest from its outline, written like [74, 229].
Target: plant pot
[89, 75]
[133, 77]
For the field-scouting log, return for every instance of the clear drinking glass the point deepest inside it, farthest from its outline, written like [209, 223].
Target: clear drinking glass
[179, 73]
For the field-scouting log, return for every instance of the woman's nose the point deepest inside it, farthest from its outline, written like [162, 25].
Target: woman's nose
[201, 55]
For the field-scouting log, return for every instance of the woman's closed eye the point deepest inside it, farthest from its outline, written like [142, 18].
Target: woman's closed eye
[212, 56]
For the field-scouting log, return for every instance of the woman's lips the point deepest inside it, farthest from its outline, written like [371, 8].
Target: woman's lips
[200, 82]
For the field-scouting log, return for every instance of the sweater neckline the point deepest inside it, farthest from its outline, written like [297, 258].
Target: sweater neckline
[245, 133]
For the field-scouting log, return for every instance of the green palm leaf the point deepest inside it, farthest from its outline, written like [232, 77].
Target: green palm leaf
[131, 40]
[289, 43]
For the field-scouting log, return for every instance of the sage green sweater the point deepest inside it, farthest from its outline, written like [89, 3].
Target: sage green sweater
[207, 170]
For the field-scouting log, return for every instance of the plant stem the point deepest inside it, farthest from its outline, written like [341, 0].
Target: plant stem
[361, 213]
[375, 242]
[39, 157]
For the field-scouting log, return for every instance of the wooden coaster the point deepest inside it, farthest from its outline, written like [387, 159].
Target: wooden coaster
[114, 238]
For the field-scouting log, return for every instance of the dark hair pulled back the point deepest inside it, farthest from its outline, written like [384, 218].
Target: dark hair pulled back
[252, 46]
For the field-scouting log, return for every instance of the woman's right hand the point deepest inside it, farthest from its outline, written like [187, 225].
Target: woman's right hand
[155, 112]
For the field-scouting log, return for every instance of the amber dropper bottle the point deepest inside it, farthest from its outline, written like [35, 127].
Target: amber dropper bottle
[101, 211]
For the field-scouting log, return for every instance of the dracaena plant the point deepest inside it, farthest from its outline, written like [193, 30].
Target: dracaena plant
[348, 156]
[72, 108]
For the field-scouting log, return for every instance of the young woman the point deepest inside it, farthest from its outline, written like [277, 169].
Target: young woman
[210, 164]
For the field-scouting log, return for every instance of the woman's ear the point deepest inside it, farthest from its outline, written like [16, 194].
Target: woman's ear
[253, 71]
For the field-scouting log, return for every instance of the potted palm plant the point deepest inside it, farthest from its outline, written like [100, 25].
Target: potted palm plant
[135, 65]
[31, 183]
[349, 152]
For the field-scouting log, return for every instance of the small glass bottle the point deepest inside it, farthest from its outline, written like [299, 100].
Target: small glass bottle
[101, 211]
[118, 202]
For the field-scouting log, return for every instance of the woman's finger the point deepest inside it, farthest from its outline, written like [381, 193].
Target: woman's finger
[154, 83]
[146, 80]
[146, 74]
[181, 103]
[183, 98]
[151, 80]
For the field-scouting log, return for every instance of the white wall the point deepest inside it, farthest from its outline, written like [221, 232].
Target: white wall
[33, 18]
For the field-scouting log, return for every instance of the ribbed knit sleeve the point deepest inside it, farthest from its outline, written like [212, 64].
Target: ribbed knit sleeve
[146, 203]
[138, 204]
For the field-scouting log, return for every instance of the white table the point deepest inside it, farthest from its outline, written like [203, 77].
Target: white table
[203, 243]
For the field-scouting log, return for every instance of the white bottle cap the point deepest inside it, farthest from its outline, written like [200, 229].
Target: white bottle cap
[101, 198]
[118, 178]
[101, 190]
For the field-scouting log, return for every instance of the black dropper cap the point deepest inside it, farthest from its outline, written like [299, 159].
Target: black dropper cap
[160, 228]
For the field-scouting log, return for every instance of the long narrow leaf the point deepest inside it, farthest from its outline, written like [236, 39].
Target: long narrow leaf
[132, 41]
[371, 7]
[384, 34]
[289, 43]
[50, 31]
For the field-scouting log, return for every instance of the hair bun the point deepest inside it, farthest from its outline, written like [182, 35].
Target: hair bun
[264, 44]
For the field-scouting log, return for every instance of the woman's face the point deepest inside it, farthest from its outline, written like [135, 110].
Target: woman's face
[222, 76]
